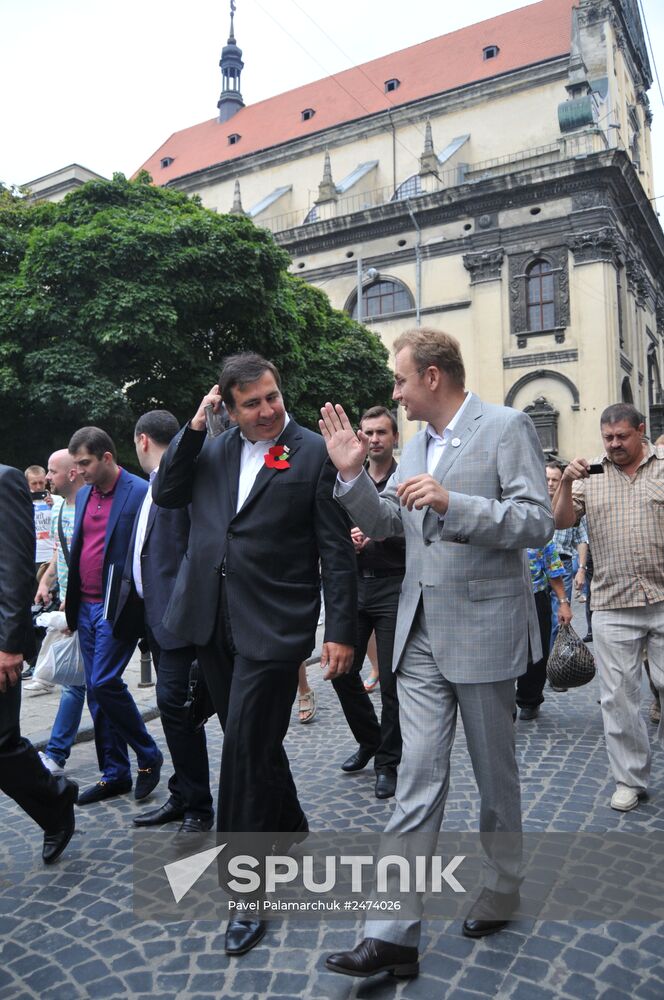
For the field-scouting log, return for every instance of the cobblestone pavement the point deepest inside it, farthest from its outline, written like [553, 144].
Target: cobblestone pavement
[69, 932]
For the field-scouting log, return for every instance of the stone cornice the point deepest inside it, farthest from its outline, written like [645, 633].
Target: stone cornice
[542, 358]
[609, 172]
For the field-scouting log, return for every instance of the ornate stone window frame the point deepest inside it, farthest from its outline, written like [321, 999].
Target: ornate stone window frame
[519, 263]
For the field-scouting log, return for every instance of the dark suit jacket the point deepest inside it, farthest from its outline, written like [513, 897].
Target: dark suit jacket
[17, 564]
[270, 549]
[166, 537]
[129, 493]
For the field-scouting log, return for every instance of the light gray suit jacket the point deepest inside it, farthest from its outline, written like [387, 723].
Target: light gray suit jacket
[470, 568]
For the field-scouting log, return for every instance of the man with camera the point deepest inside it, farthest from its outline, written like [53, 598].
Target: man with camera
[622, 496]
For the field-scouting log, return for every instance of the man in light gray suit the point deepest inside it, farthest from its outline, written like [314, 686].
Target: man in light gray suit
[469, 496]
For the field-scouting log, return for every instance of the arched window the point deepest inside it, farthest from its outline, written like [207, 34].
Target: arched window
[380, 298]
[654, 382]
[408, 189]
[540, 296]
[312, 215]
[626, 391]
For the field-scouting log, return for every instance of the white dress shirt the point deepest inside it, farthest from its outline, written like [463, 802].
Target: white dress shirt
[252, 460]
[141, 528]
[436, 443]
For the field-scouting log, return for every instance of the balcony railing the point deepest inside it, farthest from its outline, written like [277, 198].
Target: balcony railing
[568, 147]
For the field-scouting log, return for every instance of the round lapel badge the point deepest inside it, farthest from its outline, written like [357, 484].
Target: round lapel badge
[455, 442]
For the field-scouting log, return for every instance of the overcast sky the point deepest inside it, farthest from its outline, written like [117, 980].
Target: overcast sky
[104, 84]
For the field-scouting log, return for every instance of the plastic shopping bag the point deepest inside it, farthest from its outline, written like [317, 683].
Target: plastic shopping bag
[60, 660]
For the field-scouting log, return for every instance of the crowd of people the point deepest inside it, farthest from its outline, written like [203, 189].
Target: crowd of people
[216, 559]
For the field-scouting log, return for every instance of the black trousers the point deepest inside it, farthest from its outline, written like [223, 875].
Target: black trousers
[529, 686]
[22, 775]
[377, 600]
[189, 785]
[253, 699]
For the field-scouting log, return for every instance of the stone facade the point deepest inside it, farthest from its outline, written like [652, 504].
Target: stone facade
[505, 213]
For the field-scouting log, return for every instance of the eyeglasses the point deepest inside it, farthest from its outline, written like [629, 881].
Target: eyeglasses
[400, 382]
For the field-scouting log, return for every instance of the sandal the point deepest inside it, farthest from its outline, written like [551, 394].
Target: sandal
[371, 683]
[307, 707]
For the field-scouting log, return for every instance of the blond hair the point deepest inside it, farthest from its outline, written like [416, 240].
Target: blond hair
[433, 347]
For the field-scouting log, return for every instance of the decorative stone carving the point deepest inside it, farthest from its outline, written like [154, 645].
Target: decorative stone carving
[596, 245]
[545, 418]
[583, 200]
[486, 265]
[487, 221]
[659, 315]
[637, 280]
[557, 257]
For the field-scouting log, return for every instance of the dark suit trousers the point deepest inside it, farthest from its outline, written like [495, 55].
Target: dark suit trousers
[190, 783]
[529, 686]
[22, 775]
[253, 699]
[378, 599]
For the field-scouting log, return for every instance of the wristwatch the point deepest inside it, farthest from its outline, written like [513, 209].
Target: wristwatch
[563, 600]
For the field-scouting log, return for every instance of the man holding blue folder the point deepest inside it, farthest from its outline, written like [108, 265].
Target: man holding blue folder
[105, 511]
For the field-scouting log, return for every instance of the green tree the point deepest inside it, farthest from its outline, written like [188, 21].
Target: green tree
[124, 297]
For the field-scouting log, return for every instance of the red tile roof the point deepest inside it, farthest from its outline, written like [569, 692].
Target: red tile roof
[526, 36]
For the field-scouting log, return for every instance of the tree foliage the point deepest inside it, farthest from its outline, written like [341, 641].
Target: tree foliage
[125, 297]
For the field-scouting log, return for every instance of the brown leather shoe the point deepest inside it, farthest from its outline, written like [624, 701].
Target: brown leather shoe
[490, 912]
[372, 956]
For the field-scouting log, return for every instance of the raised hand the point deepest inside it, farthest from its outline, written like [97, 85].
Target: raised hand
[197, 422]
[346, 449]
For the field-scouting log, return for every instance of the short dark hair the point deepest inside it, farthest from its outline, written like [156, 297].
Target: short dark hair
[554, 465]
[380, 411]
[622, 411]
[241, 370]
[433, 347]
[94, 440]
[160, 425]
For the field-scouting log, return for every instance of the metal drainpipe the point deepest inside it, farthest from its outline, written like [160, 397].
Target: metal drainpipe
[418, 266]
[359, 289]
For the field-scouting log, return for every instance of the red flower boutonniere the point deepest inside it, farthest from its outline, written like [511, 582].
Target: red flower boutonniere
[277, 457]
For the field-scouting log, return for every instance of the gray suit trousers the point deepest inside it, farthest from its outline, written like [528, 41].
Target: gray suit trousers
[428, 706]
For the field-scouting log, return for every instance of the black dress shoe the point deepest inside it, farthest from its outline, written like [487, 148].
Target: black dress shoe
[285, 840]
[358, 760]
[194, 824]
[490, 913]
[57, 839]
[372, 956]
[104, 790]
[588, 637]
[167, 813]
[386, 784]
[147, 779]
[242, 935]
[529, 712]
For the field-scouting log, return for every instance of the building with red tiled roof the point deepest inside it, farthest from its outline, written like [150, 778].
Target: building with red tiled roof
[521, 38]
[494, 181]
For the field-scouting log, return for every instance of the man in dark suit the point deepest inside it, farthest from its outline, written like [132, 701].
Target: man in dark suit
[47, 799]
[158, 543]
[105, 511]
[247, 594]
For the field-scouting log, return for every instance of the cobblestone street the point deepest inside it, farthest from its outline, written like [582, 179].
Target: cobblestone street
[69, 931]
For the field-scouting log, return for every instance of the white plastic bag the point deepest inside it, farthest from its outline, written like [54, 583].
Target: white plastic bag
[60, 660]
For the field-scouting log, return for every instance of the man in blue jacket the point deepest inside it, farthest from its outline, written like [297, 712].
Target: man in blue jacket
[105, 511]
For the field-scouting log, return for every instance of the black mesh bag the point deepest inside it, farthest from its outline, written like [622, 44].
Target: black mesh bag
[570, 664]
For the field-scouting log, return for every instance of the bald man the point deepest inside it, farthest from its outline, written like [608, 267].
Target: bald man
[64, 482]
